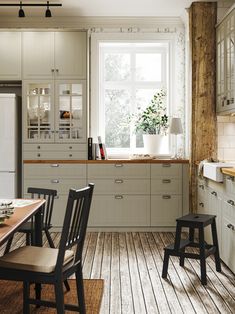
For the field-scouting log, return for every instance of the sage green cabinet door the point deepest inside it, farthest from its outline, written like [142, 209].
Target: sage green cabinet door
[10, 56]
[38, 55]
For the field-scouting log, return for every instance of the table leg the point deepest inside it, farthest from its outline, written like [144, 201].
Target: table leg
[38, 242]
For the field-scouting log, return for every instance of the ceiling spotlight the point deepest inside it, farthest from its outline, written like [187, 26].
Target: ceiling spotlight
[21, 11]
[48, 11]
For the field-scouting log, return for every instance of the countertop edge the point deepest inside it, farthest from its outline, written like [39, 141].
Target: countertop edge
[228, 171]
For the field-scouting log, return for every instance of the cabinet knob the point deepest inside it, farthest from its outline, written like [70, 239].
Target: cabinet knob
[57, 197]
[39, 155]
[118, 165]
[55, 181]
[70, 147]
[52, 70]
[230, 178]
[214, 193]
[57, 70]
[166, 181]
[118, 181]
[166, 197]
[230, 202]
[118, 197]
[230, 226]
[201, 204]
[70, 155]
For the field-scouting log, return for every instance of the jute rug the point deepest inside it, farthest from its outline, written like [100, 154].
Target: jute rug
[11, 296]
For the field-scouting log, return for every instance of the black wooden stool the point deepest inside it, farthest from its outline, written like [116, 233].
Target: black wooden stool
[194, 221]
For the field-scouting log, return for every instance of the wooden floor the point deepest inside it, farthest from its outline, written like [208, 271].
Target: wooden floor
[131, 265]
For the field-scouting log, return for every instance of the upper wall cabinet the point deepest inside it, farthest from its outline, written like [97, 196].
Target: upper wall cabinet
[225, 65]
[54, 55]
[10, 56]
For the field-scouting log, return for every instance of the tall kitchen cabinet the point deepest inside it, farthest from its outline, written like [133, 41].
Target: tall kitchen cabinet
[54, 95]
[225, 64]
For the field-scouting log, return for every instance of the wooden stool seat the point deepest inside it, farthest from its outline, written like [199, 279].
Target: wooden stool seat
[193, 221]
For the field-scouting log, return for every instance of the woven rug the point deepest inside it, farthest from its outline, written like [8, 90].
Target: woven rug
[11, 296]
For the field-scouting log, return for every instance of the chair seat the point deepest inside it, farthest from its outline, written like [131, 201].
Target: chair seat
[33, 258]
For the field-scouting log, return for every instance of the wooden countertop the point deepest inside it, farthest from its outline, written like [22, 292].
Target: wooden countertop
[109, 161]
[228, 171]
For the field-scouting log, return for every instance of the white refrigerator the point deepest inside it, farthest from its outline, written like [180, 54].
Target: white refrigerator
[8, 146]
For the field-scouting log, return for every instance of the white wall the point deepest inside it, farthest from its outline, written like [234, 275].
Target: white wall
[226, 138]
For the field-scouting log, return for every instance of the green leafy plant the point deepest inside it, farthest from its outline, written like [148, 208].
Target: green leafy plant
[153, 119]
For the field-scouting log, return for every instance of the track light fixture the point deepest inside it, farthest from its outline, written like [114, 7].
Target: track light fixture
[21, 11]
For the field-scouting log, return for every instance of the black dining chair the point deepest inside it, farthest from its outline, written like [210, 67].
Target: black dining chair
[28, 228]
[39, 265]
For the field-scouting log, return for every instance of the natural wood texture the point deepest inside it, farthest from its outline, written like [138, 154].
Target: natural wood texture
[229, 171]
[202, 17]
[131, 266]
[20, 216]
[110, 161]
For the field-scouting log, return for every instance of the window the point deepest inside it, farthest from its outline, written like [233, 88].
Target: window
[129, 73]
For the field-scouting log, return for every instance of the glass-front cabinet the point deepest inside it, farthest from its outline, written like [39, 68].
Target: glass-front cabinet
[55, 111]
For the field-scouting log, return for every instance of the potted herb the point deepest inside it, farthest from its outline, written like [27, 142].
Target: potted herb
[152, 122]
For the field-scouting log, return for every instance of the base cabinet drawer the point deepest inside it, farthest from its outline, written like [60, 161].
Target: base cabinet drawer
[119, 170]
[121, 186]
[47, 155]
[165, 209]
[54, 170]
[119, 211]
[166, 185]
[166, 169]
[228, 243]
[62, 186]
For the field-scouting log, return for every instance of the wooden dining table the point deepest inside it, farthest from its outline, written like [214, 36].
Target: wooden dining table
[19, 217]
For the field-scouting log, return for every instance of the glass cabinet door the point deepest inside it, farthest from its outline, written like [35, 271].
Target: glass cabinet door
[70, 114]
[39, 112]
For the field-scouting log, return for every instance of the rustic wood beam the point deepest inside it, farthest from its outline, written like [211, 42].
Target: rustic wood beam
[202, 21]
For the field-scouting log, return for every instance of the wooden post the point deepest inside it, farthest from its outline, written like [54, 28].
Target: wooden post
[202, 21]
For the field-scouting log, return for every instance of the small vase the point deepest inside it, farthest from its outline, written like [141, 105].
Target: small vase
[153, 143]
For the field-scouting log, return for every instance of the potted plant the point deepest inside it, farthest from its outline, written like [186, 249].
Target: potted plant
[152, 122]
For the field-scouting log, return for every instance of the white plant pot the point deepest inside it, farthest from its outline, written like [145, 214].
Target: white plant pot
[153, 143]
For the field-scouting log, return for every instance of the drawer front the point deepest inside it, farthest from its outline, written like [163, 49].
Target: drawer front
[61, 185]
[56, 147]
[119, 211]
[166, 185]
[119, 170]
[228, 243]
[54, 170]
[44, 155]
[171, 170]
[121, 186]
[165, 209]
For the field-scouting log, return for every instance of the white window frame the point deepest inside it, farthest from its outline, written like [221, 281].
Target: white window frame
[96, 99]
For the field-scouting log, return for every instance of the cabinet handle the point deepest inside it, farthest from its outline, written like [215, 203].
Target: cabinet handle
[118, 197]
[118, 165]
[166, 165]
[228, 102]
[230, 178]
[56, 132]
[166, 197]
[55, 165]
[230, 226]
[57, 70]
[57, 197]
[118, 181]
[201, 186]
[55, 181]
[70, 155]
[38, 147]
[201, 204]
[52, 70]
[39, 155]
[70, 147]
[214, 193]
[166, 181]
[231, 202]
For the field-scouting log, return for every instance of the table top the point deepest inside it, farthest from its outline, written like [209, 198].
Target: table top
[20, 216]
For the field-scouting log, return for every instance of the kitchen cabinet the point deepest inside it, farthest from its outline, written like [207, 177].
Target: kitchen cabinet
[54, 55]
[54, 112]
[121, 195]
[166, 194]
[225, 64]
[10, 56]
[58, 176]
